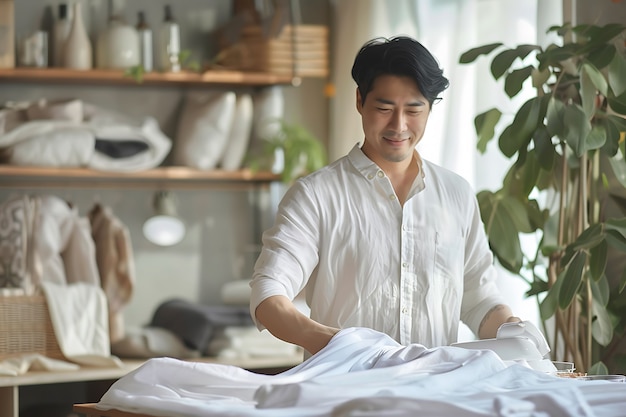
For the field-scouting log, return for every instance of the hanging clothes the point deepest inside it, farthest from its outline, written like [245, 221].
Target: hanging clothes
[114, 258]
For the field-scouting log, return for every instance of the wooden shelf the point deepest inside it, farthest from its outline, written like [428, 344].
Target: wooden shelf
[12, 176]
[101, 76]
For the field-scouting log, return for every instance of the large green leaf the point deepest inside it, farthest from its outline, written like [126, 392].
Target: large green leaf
[537, 287]
[500, 226]
[597, 260]
[554, 55]
[485, 124]
[544, 148]
[601, 291]
[601, 328]
[519, 133]
[576, 128]
[618, 103]
[596, 77]
[588, 93]
[619, 168]
[550, 230]
[540, 77]
[600, 35]
[602, 56]
[622, 283]
[515, 80]
[617, 77]
[596, 138]
[588, 239]
[472, 54]
[611, 146]
[572, 279]
[549, 304]
[503, 61]
[554, 116]
[616, 224]
[616, 240]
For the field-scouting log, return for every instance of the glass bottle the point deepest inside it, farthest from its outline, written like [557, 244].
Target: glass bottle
[145, 43]
[62, 26]
[170, 43]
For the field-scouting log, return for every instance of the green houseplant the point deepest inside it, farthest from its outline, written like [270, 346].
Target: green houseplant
[567, 148]
[298, 150]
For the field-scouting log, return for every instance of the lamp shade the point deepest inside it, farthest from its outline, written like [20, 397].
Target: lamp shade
[164, 228]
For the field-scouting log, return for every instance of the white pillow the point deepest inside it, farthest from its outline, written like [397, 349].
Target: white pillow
[203, 129]
[240, 131]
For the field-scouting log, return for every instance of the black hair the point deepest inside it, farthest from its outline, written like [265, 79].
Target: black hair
[401, 56]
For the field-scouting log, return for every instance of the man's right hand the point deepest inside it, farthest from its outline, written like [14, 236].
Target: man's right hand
[286, 322]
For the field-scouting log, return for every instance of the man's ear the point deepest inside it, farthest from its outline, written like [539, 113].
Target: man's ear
[359, 105]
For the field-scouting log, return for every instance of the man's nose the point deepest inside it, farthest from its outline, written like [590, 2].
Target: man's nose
[398, 121]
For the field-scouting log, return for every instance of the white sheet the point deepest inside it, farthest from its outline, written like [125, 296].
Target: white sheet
[364, 373]
[79, 317]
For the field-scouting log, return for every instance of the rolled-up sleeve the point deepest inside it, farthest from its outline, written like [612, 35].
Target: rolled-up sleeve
[290, 249]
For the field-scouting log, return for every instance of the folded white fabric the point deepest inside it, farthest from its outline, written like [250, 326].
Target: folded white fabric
[366, 374]
[33, 362]
[67, 143]
[80, 321]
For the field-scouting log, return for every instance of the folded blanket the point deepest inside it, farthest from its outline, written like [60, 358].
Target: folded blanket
[77, 134]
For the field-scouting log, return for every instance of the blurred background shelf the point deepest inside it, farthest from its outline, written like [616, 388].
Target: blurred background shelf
[12, 176]
[117, 77]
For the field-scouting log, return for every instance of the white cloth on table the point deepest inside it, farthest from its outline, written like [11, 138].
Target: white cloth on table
[364, 373]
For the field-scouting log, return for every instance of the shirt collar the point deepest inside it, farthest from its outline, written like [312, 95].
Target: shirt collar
[369, 169]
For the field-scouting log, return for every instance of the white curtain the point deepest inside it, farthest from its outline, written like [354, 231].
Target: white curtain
[447, 28]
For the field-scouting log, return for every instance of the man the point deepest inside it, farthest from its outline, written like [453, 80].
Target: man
[381, 238]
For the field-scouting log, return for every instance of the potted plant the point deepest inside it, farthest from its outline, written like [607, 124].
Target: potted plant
[292, 152]
[567, 147]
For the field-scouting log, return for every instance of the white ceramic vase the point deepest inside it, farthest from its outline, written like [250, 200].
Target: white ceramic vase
[118, 46]
[77, 52]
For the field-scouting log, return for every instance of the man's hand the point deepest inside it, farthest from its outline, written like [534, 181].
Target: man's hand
[493, 320]
[286, 322]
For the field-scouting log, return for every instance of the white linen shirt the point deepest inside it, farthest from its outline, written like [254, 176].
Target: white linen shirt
[409, 271]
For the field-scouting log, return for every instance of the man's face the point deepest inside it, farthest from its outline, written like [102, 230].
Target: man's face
[394, 117]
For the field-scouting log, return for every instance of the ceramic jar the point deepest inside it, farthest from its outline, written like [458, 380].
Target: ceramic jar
[118, 46]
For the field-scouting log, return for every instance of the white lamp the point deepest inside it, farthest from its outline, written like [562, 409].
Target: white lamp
[164, 228]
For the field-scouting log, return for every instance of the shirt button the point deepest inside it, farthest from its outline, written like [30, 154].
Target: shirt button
[404, 228]
[392, 197]
[404, 265]
[380, 174]
[404, 310]
[370, 176]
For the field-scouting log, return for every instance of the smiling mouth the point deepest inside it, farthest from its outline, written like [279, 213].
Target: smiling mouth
[395, 140]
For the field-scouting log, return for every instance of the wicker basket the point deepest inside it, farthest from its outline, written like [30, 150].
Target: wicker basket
[25, 327]
[299, 50]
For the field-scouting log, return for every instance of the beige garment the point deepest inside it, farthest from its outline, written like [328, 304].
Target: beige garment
[46, 241]
[114, 258]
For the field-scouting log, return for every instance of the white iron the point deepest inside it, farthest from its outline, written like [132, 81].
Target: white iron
[518, 342]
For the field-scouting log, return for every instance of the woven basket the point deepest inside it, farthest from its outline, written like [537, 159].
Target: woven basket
[25, 327]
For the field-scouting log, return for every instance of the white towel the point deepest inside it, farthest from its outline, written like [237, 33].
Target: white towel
[80, 321]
